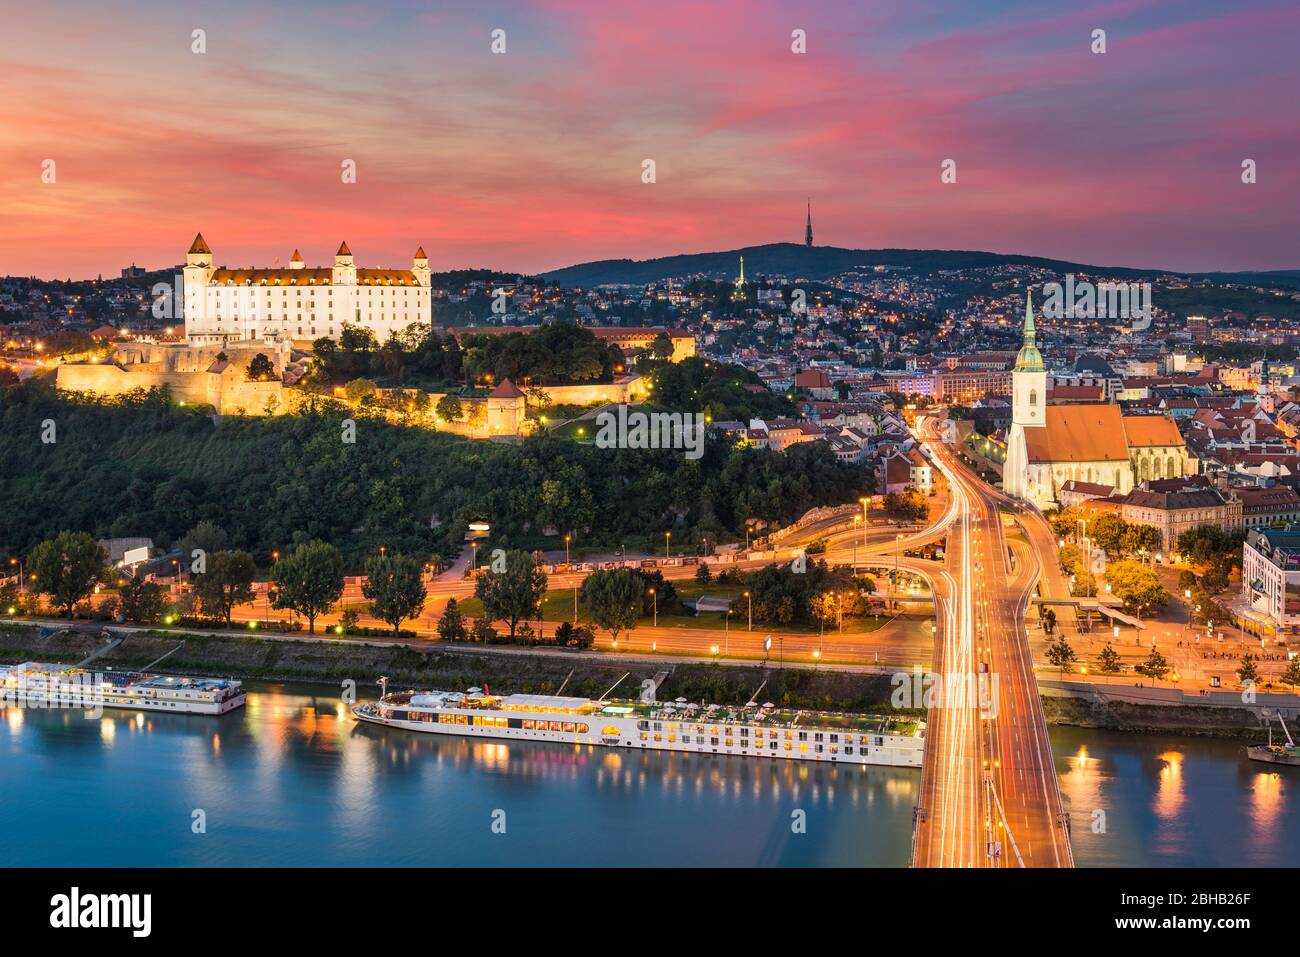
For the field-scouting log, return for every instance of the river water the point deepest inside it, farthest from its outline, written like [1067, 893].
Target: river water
[290, 779]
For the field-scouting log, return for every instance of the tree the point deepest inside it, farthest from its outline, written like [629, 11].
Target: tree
[1065, 523]
[1136, 539]
[66, 568]
[613, 597]
[1248, 674]
[394, 588]
[449, 408]
[1060, 654]
[142, 602]
[260, 369]
[1137, 585]
[662, 346]
[358, 390]
[1155, 667]
[664, 591]
[1108, 662]
[206, 537]
[703, 575]
[511, 590]
[1291, 675]
[908, 505]
[309, 580]
[227, 582]
[1106, 531]
[451, 626]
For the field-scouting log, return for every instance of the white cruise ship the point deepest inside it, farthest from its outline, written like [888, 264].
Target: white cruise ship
[36, 684]
[753, 731]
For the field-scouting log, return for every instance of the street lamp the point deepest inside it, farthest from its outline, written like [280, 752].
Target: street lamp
[473, 547]
[18, 562]
[569, 566]
[750, 599]
[654, 604]
[667, 536]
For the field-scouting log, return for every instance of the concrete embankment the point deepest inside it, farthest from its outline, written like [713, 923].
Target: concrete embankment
[1133, 708]
[440, 666]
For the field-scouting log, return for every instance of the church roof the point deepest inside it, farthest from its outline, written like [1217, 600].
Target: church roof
[199, 246]
[1146, 431]
[1078, 433]
[506, 390]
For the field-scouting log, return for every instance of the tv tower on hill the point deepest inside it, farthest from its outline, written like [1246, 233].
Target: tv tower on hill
[807, 233]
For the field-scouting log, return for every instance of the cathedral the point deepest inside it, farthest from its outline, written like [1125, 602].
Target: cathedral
[301, 303]
[1049, 445]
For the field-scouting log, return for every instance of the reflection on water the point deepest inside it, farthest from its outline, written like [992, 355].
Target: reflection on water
[1173, 801]
[292, 779]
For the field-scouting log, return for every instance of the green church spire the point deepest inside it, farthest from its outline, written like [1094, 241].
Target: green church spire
[1029, 359]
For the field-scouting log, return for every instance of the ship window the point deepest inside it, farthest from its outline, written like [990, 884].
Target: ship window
[583, 729]
[611, 730]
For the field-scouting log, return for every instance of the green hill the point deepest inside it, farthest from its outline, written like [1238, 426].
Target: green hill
[803, 262]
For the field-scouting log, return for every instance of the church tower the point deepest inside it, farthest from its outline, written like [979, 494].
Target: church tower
[1028, 409]
[1029, 380]
[807, 233]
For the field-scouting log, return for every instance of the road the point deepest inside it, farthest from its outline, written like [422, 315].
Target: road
[989, 794]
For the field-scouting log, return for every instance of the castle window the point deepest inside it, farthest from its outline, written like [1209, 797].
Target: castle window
[1033, 397]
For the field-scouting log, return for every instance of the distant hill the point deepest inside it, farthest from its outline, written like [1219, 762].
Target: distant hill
[815, 263]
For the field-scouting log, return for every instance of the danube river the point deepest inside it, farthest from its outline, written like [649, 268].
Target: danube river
[291, 780]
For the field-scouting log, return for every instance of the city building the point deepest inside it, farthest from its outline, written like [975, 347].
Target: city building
[1270, 576]
[301, 303]
[1174, 507]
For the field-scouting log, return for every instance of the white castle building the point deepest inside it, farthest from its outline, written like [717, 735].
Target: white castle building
[299, 303]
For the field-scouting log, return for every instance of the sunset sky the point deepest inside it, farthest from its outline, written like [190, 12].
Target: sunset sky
[532, 159]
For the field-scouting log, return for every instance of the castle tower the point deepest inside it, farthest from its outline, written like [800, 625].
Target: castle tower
[807, 233]
[420, 266]
[1028, 408]
[345, 270]
[195, 277]
[295, 261]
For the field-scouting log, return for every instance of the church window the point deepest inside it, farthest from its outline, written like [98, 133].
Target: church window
[1033, 397]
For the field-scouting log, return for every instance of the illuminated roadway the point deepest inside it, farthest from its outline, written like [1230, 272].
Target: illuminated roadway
[989, 793]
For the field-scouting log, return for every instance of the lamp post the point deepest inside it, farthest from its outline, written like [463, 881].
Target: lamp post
[21, 586]
[473, 549]
[750, 598]
[654, 604]
[567, 539]
[667, 536]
